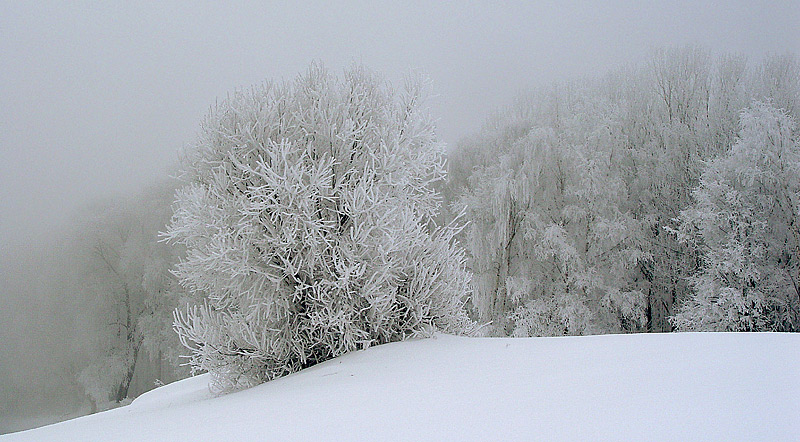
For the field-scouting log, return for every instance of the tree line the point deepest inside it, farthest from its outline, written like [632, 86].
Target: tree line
[657, 197]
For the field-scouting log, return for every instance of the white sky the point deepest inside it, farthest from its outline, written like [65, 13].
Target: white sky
[96, 98]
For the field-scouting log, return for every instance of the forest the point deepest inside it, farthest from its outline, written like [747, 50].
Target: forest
[662, 196]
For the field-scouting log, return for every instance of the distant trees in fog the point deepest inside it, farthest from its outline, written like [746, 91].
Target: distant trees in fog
[128, 291]
[89, 323]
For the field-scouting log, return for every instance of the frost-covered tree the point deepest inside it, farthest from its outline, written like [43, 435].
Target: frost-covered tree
[777, 80]
[307, 222]
[552, 248]
[746, 219]
[666, 132]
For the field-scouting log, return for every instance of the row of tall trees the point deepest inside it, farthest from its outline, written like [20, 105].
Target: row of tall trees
[573, 195]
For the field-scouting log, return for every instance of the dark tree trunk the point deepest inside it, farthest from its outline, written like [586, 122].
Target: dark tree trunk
[124, 386]
[649, 311]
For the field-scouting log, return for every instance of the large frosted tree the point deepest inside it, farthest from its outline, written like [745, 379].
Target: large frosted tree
[746, 219]
[308, 221]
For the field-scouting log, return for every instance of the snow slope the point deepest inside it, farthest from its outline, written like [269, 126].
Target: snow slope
[619, 387]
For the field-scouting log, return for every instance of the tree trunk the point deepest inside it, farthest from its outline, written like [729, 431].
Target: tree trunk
[649, 310]
[122, 391]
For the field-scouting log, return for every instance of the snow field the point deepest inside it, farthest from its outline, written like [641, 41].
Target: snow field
[688, 386]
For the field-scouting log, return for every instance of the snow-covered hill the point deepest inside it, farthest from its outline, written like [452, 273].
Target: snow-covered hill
[632, 387]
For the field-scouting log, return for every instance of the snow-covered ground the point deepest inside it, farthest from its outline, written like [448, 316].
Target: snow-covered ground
[689, 386]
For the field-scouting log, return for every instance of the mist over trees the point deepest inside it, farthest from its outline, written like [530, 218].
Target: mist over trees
[89, 323]
[129, 292]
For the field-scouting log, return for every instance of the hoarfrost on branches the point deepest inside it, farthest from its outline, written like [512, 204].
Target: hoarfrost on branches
[553, 248]
[745, 219]
[308, 222]
[572, 192]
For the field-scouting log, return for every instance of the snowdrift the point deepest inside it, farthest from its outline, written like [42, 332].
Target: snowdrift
[687, 386]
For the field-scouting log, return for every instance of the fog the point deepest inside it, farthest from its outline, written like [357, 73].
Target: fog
[97, 99]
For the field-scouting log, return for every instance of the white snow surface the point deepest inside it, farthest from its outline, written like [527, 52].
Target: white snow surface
[687, 386]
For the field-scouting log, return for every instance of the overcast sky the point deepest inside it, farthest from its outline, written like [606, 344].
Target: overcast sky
[97, 98]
